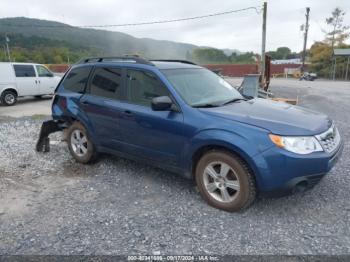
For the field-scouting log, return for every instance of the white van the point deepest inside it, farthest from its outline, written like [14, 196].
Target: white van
[25, 79]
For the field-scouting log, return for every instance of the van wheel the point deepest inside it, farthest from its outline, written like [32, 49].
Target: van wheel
[225, 181]
[9, 98]
[80, 145]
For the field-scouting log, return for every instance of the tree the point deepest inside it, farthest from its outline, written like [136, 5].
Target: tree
[321, 53]
[320, 58]
[209, 56]
[338, 33]
[283, 52]
[244, 58]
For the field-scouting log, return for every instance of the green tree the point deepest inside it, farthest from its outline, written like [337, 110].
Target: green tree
[209, 56]
[321, 53]
[320, 58]
[282, 53]
[244, 58]
[338, 32]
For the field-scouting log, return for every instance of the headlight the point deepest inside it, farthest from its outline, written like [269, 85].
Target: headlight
[297, 144]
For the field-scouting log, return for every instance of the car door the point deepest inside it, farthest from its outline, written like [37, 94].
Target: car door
[46, 81]
[26, 80]
[102, 104]
[153, 135]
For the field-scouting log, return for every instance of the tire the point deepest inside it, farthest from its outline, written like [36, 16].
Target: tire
[80, 145]
[9, 98]
[239, 182]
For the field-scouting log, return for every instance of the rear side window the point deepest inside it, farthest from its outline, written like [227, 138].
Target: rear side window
[107, 82]
[76, 79]
[24, 70]
[143, 86]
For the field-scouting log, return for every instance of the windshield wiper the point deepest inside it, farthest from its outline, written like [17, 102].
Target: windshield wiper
[205, 105]
[233, 100]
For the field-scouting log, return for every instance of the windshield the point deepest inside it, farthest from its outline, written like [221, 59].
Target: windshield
[201, 87]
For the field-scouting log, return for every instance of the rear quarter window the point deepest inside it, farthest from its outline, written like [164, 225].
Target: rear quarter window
[107, 82]
[76, 79]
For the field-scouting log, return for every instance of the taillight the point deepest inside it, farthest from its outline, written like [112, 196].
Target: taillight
[62, 102]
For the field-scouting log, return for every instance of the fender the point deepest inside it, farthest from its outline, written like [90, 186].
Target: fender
[7, 86]
[241, 144]
[67, 109]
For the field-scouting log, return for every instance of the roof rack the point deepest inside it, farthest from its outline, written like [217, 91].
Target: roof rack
[126, 58]
[174, 60]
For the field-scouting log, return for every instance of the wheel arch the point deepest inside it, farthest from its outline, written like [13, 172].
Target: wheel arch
[86, 123]
[12, 89]
[201, 151]
[246, 156]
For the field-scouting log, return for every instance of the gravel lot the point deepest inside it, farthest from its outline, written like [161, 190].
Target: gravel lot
[49, 204]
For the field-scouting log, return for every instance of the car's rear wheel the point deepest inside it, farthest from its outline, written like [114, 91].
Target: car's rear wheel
[225, 181]
[9, 98]
[80, 145]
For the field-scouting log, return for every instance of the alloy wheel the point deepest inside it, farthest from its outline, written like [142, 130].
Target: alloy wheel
[221, 181]
[79, 143]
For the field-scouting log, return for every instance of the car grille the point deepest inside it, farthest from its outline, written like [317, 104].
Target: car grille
[330, 139]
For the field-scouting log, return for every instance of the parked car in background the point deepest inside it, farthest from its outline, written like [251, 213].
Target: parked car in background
[184, 118]
[308, 76]
[25, 79]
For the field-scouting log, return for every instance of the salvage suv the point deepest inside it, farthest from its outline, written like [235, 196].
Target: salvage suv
[184, 118]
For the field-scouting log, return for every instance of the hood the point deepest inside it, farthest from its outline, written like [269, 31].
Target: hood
[277, 117]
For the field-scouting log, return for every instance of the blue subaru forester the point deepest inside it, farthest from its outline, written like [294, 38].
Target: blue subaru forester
[181, 117]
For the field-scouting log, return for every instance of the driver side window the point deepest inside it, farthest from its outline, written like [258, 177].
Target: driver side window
[42, 71]
[143, 86]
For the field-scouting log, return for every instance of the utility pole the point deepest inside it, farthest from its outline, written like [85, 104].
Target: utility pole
[305, 38]
[7, 40]
[347, 69]
[263, 42]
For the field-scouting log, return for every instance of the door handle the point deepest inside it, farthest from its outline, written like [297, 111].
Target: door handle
[127, 112]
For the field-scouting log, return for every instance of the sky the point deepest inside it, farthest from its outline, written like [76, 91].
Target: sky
[240, 30]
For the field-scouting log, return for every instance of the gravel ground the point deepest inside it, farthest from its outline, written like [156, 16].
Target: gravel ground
[49, 204]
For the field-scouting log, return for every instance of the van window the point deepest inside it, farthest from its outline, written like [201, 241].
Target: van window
[43, 71]
[107, 82]
[143, 86]
[24, 70]
[76, 79]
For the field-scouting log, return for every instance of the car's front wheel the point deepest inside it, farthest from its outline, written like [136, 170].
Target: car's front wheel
[225, 181]
[80, 145]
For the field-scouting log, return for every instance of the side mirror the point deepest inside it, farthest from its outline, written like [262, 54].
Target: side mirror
[161, 103]
[49, 75]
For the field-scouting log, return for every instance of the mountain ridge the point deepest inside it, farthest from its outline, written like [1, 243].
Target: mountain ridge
[106, 42]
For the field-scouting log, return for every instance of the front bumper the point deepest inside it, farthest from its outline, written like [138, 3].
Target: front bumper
[281, 172]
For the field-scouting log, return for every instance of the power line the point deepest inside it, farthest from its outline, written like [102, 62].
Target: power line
[256, 8]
